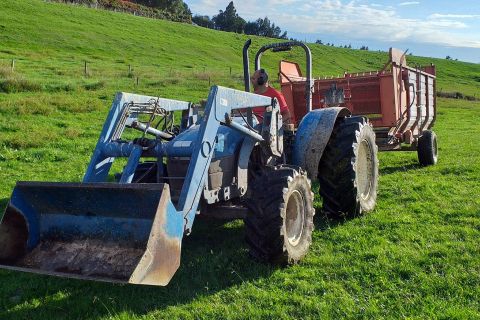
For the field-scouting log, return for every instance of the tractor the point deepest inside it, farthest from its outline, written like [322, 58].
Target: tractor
[220, 161]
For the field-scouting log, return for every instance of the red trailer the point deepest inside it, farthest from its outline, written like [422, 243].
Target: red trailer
[399, 100]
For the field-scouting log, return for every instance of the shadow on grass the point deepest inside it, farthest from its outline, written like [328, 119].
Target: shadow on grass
[214, 258]
[325, 221]
[400, 168]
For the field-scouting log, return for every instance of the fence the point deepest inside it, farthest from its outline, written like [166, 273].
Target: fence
[139, 74]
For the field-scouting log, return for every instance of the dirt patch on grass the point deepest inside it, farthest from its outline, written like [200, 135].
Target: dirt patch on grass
[165, 82]
[457, 95]
[14, 85]
[94, 86]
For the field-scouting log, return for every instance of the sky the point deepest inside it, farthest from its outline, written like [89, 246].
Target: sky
[426, 28]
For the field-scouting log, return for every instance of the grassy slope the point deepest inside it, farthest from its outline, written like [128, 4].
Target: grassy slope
[416, 255]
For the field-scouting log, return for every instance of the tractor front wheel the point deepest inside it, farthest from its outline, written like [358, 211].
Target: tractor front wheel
[427, 148]
[278, 227]
[348, 170]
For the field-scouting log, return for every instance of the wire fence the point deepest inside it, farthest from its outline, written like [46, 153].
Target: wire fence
[138, 74]
[156, 75]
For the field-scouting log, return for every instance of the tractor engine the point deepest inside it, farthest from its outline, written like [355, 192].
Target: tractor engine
[222, 174]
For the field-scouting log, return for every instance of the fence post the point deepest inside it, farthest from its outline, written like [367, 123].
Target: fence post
[13, 65]
[137, 81]
[208, 81]
[230, 70]
[129, 69]
[85, 69]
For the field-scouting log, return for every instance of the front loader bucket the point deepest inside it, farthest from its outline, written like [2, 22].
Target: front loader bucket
[99, 231]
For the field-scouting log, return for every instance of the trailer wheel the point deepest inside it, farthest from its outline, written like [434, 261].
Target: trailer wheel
[278, 227]
[427, 148]
[348, 172]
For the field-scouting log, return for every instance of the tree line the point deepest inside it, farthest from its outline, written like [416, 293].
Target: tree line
[178, 10]
[340, 46]
[230, 21]
[174, 10]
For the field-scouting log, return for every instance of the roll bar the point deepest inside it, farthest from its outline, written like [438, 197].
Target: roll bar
[278, 47]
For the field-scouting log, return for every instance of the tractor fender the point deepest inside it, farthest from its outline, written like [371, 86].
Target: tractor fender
[312, 137]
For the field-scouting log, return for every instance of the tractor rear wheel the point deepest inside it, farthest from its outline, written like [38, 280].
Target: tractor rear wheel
[348, 170]
[278, 227]
[427, 148]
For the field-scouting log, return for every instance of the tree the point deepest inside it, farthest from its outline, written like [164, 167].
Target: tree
[448, 58]
[319, 41]
[251, 27]
[265, 28]
[175, 8]
[229, 20]
[203, 21]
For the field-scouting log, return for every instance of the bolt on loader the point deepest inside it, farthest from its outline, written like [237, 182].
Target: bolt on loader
[220, 161]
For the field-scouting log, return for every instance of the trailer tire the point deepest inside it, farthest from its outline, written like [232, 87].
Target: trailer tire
[348, 170]
[427, 149]
[279, 224]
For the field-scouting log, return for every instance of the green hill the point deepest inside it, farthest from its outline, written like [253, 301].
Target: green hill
[415, 256]
[51, 41]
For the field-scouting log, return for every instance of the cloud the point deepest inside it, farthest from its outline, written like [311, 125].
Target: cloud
[353, 19]
[409, 3]
[453, 16]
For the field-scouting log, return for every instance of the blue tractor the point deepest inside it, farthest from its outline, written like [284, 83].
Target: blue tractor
[219, 161]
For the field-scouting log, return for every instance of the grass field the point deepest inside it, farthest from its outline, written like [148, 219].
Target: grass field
[416, 256]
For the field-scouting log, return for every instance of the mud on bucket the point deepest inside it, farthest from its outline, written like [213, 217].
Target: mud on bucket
[100, 231]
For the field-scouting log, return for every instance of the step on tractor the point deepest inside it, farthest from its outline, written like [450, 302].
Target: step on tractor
[221, 161]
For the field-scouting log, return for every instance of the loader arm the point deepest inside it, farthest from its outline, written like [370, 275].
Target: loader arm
[221, 101]
[118, 232]
[122, 109]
